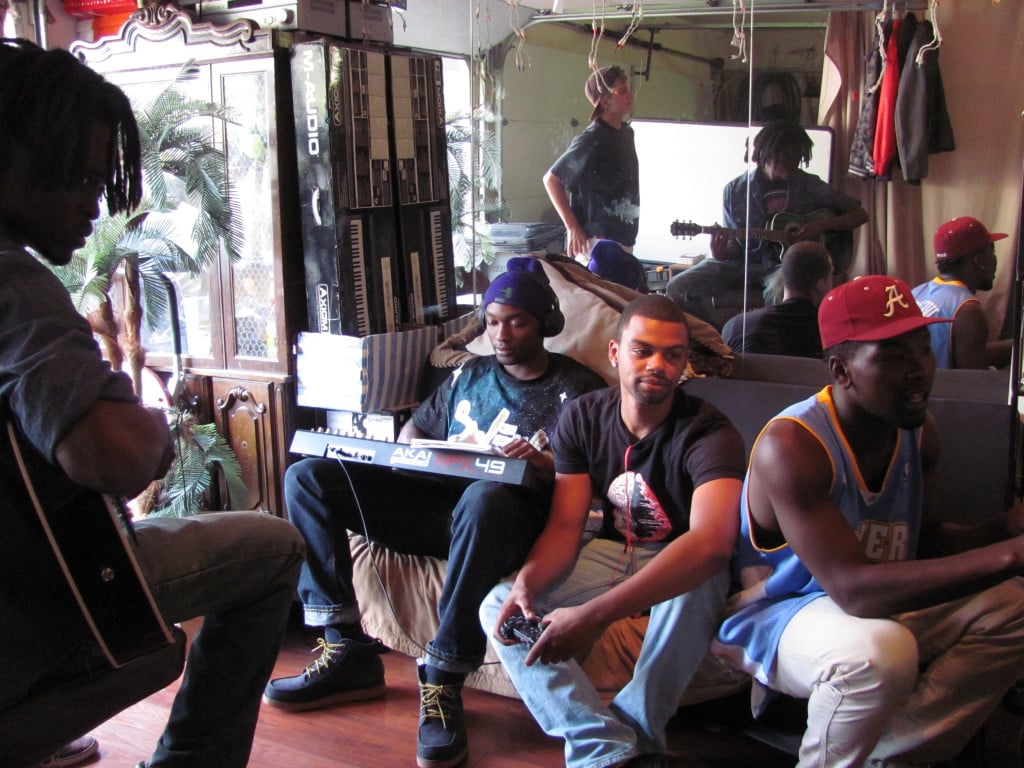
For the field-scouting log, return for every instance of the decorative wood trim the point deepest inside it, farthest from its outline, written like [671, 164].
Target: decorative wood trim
[160, 28]
[242, 395]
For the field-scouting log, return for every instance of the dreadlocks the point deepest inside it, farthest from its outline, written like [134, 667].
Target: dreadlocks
[781, 136]
[48, 102]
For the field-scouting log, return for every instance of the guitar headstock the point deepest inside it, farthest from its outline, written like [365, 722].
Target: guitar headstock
[685, 229]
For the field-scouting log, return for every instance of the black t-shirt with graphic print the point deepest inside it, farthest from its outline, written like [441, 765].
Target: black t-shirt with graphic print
[647, 485]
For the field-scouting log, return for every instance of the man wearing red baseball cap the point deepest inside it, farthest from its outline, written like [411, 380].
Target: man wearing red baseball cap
[902, 659]
[595, 184]
[966, 259]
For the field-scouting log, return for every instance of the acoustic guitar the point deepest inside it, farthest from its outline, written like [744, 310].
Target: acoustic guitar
[90, 535]
[781, 231]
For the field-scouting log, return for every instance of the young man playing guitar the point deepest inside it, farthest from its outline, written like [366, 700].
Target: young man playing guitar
[75, 431]
[782, 198]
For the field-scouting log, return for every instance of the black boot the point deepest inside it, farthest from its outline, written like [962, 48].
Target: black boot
[441, 736]
[347, 670]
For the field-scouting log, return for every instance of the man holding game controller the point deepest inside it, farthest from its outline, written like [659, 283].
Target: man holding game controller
[668, 468]
[484, 529]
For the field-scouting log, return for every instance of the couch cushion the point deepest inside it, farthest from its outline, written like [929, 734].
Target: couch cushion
[591, 307]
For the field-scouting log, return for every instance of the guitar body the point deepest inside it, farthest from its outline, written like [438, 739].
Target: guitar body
[89, 535]
[782, 232]
[839, 244]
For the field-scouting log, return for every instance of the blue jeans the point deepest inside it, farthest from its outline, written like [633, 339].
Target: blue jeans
[564, 701]
[238, 571]
[484, 529]
[714, 290]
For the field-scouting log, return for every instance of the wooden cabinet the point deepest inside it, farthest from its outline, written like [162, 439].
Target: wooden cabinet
[254, 418]
[239, 320]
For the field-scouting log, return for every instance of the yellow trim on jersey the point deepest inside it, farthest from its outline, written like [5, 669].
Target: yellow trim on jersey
[824, 396]
[834, 416]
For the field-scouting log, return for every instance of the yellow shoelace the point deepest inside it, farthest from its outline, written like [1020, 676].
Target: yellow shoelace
[327, 651]
[435, 701]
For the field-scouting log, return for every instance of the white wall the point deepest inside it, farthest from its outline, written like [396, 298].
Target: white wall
[455, 26]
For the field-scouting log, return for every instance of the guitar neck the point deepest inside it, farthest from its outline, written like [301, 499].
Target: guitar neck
[772, 235]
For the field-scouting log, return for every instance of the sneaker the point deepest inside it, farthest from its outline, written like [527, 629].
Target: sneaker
[73, 753]
[347, 670]
[441, 736]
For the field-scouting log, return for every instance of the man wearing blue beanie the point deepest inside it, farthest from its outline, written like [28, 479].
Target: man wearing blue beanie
[484, 529]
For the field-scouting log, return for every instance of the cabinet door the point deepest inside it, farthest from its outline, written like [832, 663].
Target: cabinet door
[234, 315]
[253, 418]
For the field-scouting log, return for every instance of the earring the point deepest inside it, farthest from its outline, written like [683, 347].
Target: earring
[615, 364]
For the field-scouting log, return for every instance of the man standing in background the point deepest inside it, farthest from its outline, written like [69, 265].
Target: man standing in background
[595, 184]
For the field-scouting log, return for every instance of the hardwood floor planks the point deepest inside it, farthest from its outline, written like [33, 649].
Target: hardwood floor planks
[382, 733]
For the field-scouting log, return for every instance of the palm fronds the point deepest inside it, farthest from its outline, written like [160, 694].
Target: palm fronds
[474, 173]
[202, 454]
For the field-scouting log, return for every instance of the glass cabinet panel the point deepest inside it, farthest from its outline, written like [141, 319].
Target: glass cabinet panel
[252, 282]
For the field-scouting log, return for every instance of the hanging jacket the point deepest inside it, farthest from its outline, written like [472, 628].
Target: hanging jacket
[923, 125]
[861, 161]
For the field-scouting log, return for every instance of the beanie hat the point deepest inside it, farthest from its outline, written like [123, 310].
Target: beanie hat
[961, 236]
[611, 261]
[870, 308]
[524, 286]
[600, 84]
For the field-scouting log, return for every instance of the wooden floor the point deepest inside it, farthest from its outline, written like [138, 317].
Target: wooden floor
[382, 734]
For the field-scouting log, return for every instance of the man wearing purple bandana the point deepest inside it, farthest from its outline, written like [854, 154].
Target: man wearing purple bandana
[484, 529]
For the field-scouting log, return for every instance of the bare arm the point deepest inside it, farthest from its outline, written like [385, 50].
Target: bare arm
[971, 347]
[685, 563]
[560, 199]
[117, 448]
[409, 432]
[542, 461]
[969, 336]
[791, 477]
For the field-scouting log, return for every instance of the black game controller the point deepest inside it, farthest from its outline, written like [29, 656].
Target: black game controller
[520, 628]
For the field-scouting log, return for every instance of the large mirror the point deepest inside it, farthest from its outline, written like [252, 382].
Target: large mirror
[687, 64]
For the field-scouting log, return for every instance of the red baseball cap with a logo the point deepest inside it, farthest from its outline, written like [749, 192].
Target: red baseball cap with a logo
[962, 235]
[870, 308]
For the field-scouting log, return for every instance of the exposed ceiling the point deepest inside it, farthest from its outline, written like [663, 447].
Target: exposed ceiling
[697, 13]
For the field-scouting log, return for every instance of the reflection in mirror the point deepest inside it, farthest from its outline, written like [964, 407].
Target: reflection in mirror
[686, 165]
[682, 70]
